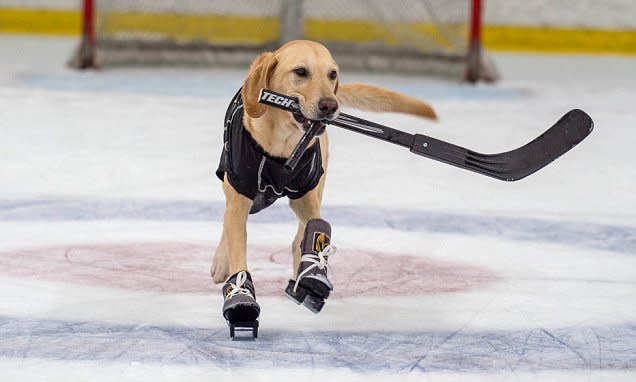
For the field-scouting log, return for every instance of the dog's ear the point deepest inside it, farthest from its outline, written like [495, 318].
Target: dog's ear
[257, 79]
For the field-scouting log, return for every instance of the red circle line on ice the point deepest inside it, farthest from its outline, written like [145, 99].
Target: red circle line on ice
[172, 267]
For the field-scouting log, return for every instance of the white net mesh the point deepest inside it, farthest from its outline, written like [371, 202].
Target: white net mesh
[415, 25]
[187, 21]
[399, 35]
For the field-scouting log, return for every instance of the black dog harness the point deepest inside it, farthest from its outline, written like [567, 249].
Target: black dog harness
[256, 174]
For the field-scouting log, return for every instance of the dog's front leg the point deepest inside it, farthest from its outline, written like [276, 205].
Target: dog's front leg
[305, 208]
[237, 208]
[240, 308]
[311, 249]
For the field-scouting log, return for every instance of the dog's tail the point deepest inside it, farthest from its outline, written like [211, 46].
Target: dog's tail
[372, 98]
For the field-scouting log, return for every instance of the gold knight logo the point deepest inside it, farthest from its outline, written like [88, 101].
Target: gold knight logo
[321, 241]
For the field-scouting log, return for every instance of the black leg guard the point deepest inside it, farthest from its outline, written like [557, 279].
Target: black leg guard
[240, 308]
[312, 287]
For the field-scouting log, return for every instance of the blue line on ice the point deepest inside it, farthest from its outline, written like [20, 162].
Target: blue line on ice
[570, 348]
[206, 84]
[614, 238]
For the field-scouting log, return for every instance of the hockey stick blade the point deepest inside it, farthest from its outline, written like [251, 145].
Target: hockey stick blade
[512, 165]
[516, 164]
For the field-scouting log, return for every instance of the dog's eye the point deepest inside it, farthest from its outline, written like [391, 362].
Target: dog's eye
[301, 72]
[333, 75]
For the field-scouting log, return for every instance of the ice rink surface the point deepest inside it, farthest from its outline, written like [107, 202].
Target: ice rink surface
[110, 212]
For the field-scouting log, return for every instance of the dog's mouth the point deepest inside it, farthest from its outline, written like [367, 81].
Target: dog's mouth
[305, 123]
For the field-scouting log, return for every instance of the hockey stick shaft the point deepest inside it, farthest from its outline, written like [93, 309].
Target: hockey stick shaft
[310, 132]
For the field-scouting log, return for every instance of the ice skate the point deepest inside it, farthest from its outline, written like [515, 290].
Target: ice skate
[312, 287]
[240, 308]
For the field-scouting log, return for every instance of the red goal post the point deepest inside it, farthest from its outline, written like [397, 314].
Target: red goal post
[439, 37]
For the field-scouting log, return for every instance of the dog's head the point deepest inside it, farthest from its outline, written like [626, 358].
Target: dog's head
[304, 69]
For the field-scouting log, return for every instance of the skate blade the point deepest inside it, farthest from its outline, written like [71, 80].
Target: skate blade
[305, 298]
[246, 326]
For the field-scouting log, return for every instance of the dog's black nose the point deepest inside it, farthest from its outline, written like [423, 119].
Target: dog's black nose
[327, 107]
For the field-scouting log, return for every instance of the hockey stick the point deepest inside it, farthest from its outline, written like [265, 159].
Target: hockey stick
[312, 128]
[512, 165]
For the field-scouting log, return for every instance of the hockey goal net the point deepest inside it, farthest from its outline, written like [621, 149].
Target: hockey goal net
[440, 37]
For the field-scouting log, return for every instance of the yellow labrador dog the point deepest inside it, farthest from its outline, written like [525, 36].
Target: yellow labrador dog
[258, 138]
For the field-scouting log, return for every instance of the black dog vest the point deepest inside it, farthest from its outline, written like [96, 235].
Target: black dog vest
[256, 174]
